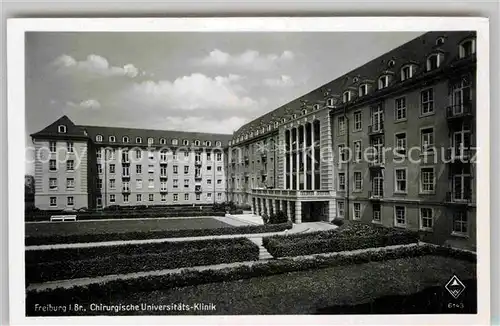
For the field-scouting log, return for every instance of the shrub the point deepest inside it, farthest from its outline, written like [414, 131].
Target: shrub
[160, 234]
[193, 277]
[236, 211]
[352, 237]
[265, 218]
[279, 217]
[338, 221]
[91, 262]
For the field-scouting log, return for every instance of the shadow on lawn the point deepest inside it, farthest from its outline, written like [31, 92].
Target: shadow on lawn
[433, 300]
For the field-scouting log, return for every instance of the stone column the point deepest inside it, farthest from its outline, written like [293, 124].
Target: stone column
[312, 157]
[289, 210]
[297, 155]
[273, 205]
[298, 212]
[304, 154]
[259, 206]
[290, 159]
[332, 212]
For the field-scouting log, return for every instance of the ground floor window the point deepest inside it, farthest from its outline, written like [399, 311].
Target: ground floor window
[151, 197]
[111, 198]
[426, 218]
[356, 211]
[460, 223]
[198, 196]
[71, 201]
[139, 197]
[186, 196]
[163, 197]
[340, 209]
[176, 197]
[53, 201]
[400, 216]
[125, 198]
[376, 213]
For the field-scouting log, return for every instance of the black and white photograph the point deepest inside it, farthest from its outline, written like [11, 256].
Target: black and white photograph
[244, 172]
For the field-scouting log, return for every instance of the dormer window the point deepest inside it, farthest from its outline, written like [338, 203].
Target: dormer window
[383, 82]
[112, 139]
[363, 90]
[467, 48]
[330, 102]
[346, 97]
[355, 79]
[407, 72]
[391, 63]
[98, 138]
[440, 41]
[197, 143]
[163, 141]
[283, 120]
[61, 129]
[218, 143]
[185, 142]
[269, 128]
[125, 139]
[434, 61]
[316, 107]
[150, 141]
[276, 123]
[175, 141]
[294, 116]
[209, 143]
[138, 140]
[263, 130]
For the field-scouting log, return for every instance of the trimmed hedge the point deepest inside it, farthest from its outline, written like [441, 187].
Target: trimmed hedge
[351, 237]
[273, 267]
[96, 237]
[91, 262]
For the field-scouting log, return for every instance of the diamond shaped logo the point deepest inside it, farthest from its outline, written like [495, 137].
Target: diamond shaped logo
[455, 287]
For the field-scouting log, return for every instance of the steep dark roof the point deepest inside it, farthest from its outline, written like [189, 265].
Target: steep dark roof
[90, 132]
[415, 51]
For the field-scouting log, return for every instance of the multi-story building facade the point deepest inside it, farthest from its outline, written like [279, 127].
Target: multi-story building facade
[391, 142]
[94, 167]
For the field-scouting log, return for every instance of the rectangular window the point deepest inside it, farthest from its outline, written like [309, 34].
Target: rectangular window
[401, 143]
[125, 171]
[138, 169]
[358, 181]
[138, 183]
[112, 198]
[460, 223]
[219, 157]
[342, 153]
[71, 148]
[70, 201]
[175, 168]
[356, 210]
[198, 196]
[219, 181]
[53, 183]
[209, 168]
[400, 113]
[163, 171]
[70, 183]
[138, 154]
[186, 196]
[70, 165]
[341, 121]
[427, 101]
[151, 168]
[219, 195]
[151, 197]
[186, 169]
[341, 181]
[377, 216]
[176, 197]
[358, 118]
[126, 186]
[427, 139]
[98, 154]
[400, 216]
[112, 168]
[209, 156]
[125, 198]
[151, 183]
[186, 183]
[209, 181]
[151, 154]
[357, 151]
[52, 165]
[163, 186]
[186, 154]
[219, 169]
[340, 209]
[53, 201]
[138, 197]
[163, 197]
[111, 154]
[426, 218]
[209, 195]
[99, 168]
[427, 181]
[400, 177]
[112, 183]
[52, 146]
[176, 183]
[99, 183]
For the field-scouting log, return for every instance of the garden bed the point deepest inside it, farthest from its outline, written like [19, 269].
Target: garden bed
[91, 236]
[54, 264]
[350, 236]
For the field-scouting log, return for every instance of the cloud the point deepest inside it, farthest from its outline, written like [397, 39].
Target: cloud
[250, 59]
[94, 65]
[283, 81]
[193, 92]
[90, 104]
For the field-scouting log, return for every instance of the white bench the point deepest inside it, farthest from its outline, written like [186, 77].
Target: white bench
[63, 218]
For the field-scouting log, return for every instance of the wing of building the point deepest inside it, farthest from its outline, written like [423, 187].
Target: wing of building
[390, 142]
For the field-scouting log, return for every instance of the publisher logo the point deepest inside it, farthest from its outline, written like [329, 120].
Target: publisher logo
[455, 287]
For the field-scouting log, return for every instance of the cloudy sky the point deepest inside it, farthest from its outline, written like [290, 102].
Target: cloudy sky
[210, 82]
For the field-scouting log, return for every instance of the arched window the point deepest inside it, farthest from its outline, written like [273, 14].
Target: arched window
[363, 90]
[98, 138]
[125, 139]
[175, 141]
[467, 48]
[209, 143]
[440, 40]
[407, 71]
[304, 112]
[434, 61]
[150, 141]
[185, 142]
[294, 116]
[391, 63]
[197, 143]
[61, 129]
[316, 107]
[269, 128]
[138, 140]
[163, 141]
[346, 96]
[383, 82]
[218, 143]
[330, 102]
[355, 79]
[112, 139]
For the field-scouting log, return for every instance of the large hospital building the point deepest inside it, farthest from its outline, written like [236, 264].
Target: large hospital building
[390, 142]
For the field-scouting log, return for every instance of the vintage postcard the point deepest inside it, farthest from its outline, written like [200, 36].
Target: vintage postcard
[285, 170]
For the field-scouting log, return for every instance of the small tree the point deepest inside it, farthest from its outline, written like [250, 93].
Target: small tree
[279, 217]
[265, 218]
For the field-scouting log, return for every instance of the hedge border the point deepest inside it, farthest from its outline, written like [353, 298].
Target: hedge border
[280, 266]
[181, 233]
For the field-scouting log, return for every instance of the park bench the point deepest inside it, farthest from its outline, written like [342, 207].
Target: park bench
[63, 218]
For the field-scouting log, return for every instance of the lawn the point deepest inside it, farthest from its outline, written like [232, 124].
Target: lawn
[307, 292]
[118, 226]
